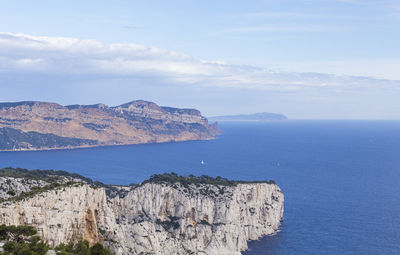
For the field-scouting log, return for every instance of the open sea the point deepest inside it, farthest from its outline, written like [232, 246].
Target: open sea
[341, 179]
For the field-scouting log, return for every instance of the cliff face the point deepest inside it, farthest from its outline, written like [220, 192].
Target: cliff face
[161, 219]
[63, 215]
[153, 218]
[40, 125]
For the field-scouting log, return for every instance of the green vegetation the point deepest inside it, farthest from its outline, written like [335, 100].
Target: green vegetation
[11, 193]
[37, 190]
[44, 175]
[15, 104]
[34, 246]
[56, 179]
[82, 248]
[57, 120]
[95, 127]
[15, 232]
[22, 240]
[172, 178]
[11, 139]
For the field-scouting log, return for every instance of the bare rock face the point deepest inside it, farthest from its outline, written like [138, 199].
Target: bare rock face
[63, 215]
[41, 125]
[10, 186]
[207, 219]
[153, 218]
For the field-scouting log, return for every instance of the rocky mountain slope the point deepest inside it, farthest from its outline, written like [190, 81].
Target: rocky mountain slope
[167, 214]
[41, 125]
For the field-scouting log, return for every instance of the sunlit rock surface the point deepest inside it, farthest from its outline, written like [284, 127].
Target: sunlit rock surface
[151, 218]
[42, 125]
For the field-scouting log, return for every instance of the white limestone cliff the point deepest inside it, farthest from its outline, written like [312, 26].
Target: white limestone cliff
[153, 218]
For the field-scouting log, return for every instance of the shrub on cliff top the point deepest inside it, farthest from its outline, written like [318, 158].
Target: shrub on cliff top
[171, 178]
[46, 175]
[37, 190]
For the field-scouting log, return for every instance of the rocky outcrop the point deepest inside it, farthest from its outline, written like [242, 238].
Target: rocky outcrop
[41, 125]
[155, 217]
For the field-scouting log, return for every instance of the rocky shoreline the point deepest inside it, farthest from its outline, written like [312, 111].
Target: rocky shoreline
[93, 146]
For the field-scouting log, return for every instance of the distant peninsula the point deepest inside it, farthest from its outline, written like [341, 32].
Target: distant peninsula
[262, 116]
[33, 125]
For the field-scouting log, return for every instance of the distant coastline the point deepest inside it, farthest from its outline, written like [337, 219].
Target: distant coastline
[97, 146]
[31, 126]
[256, 117]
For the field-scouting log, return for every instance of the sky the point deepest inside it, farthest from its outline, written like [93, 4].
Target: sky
[307, 59]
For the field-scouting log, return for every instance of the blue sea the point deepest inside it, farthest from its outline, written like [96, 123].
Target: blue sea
[341, 179]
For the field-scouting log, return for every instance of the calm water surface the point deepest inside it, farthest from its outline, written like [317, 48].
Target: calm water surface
[341, 179]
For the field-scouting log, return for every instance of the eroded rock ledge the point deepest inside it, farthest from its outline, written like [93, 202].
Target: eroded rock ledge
[166, 214]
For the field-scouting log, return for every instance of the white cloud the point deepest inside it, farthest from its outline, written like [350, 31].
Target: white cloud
[21, 53]
[382, 68]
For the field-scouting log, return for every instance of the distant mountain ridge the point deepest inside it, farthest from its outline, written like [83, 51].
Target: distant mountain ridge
[32, 125]
[262, 116]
